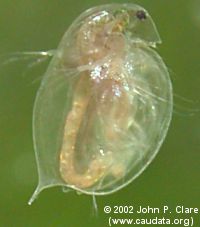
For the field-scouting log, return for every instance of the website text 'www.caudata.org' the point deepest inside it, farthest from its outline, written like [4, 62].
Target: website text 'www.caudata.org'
[151, 221]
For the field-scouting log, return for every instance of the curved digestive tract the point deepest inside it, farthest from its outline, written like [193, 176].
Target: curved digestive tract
[99, 99]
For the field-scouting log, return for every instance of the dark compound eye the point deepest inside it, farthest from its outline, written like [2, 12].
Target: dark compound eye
[141, 15]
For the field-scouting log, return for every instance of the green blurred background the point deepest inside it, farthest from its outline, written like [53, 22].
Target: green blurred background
[174, 176]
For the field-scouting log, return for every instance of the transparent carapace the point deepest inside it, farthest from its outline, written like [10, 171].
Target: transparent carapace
[105, 102]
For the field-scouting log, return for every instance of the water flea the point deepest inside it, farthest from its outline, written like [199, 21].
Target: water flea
[104, 105]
